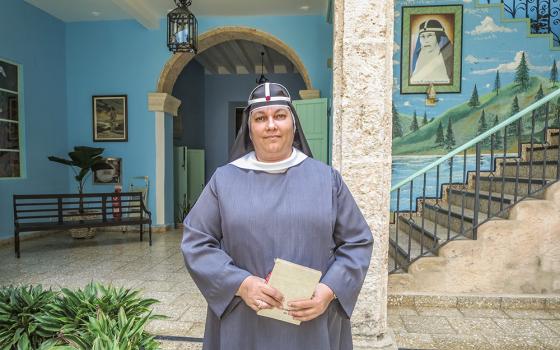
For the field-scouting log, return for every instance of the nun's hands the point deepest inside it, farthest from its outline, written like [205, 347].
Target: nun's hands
[306, 310]
[258, 295]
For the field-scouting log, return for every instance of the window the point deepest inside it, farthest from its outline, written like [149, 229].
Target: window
[10, 141]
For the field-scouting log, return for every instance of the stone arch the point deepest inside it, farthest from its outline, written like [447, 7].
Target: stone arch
[174, 66]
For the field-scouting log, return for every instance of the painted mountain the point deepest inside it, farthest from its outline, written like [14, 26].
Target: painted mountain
[466, 120]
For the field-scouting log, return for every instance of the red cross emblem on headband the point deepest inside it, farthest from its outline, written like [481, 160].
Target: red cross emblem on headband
[267, 98]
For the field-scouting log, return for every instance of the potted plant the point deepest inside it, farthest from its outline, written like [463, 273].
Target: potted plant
[83, 160]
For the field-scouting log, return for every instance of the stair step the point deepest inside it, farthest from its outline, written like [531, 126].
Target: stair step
[550, 168]
[400, 252]
[433, 233]
[467, 197]
[451, 216]
[553, 137]
[510, 187]
[539, 152]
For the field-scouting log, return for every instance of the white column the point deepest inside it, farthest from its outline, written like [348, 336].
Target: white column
[362, 88]
[163, 105]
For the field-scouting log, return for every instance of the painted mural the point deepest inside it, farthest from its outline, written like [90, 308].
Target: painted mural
[504, 70]
[505, 67]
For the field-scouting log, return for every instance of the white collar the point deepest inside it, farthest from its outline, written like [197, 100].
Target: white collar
[250, 162]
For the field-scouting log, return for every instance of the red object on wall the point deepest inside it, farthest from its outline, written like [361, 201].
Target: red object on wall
[117, 203]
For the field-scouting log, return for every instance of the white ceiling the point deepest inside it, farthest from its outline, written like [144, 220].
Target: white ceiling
[148, 12]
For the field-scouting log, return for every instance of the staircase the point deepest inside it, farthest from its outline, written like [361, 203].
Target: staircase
[476, 183]
[542, 16]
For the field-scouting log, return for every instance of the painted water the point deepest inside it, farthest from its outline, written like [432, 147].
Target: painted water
[404, 166]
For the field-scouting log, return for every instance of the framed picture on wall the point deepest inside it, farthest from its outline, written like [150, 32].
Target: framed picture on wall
[110, 118]
[431, 42]
[109, 176]
[8, 76]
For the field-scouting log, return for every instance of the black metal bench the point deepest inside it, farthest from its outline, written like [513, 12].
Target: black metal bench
[42, 212]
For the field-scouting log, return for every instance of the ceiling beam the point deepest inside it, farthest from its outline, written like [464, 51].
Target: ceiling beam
[224, 58]
[247, 57]
[211, 68]
[141, 11]
[236, 47]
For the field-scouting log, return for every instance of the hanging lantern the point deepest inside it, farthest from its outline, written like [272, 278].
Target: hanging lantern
[262, 79]
[182, 28]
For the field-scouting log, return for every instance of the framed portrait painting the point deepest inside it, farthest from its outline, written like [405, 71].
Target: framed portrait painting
[109, 176]
[110, 118]
[431, 42]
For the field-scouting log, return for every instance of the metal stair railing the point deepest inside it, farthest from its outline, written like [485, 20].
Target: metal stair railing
[542, 16]
[476, 182]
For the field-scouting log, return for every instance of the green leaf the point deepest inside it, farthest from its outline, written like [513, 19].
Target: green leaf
[23, 343]
[62, 161]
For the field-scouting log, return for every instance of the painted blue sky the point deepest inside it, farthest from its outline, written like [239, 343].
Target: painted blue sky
[488, 44]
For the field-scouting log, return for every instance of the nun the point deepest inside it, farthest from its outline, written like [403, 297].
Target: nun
[275, 201]
[432, 60]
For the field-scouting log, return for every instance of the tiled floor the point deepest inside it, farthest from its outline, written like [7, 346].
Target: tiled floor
[113, 257]
[456, 328]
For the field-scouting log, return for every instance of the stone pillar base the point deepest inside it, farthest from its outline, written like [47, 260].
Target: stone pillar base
[384, 341]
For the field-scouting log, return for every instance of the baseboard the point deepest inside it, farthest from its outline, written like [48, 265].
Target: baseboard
[502, 301]
[25, 236]
[162, 228]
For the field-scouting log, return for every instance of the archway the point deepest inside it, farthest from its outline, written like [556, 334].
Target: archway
[177, 62]
[163, 103]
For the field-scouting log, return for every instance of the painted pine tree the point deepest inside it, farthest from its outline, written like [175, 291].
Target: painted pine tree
[497, 137]
[449, 136]
[514, 106]
[425, 119]
[497, 83]
[522, 73]
[513, 128]
[440, 139]
[541, 110]
[474, 102]
[482, 126]
[540, 94]
[397, 127]
[554, 73]
[414, 124]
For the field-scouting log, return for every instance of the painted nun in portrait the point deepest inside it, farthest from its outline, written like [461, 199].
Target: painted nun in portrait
[432, 60]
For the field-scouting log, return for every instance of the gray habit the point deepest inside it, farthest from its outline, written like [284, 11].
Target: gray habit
[244, 219]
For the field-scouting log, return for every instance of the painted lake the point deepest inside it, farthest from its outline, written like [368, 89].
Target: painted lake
[404, 166]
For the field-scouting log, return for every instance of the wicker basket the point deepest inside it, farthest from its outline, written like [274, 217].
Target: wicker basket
[85, 232]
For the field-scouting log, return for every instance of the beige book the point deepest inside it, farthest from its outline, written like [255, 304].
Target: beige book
[295, 282]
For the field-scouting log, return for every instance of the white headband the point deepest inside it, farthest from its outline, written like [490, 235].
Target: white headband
[267, 97]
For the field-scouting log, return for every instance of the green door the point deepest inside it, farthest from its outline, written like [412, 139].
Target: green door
[195, 177]
[313, 117]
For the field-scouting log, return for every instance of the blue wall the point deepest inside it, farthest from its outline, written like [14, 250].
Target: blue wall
[121, 57]
[65, 64]
[36, 41]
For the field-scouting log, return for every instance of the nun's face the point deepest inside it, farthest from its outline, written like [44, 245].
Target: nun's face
[272, 133]
[428, 41]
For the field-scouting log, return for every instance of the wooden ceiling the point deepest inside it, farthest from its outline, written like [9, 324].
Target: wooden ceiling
[243, 57]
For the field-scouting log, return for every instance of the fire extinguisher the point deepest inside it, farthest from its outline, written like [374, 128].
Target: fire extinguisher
[117, 202]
